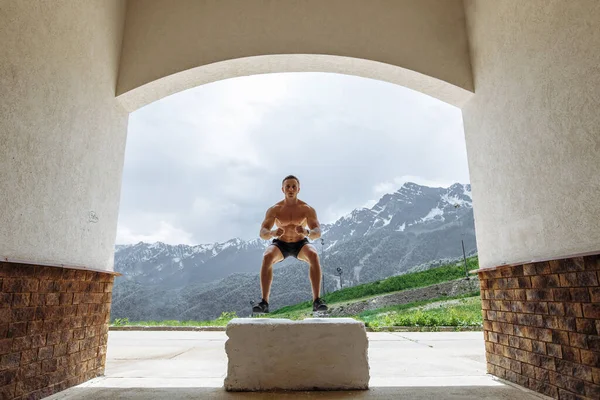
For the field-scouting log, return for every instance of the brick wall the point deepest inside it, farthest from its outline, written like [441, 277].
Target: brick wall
[53, 328]
[542, 326]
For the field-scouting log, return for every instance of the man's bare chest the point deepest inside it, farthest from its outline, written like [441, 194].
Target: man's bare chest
[290, 216]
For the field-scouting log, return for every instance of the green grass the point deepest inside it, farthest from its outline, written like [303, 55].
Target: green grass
[221, 321]
[466, 313]
[414, 304]
[394, 284]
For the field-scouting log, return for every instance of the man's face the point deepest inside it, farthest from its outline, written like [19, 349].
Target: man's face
[290, 188]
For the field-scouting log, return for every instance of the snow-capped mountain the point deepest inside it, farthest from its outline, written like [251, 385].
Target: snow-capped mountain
[174, 265]
[411, 208]
[414, 225]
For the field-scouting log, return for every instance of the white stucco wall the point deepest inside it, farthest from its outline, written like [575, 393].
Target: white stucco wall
[170, 46]
[62, 133]
[533, 128]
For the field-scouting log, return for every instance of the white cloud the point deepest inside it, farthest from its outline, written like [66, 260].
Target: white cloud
[203, 165]
[165, 233]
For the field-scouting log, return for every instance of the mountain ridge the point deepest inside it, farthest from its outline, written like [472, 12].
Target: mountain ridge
[410, 227]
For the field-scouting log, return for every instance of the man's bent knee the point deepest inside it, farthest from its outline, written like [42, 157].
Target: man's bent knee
[313, 257]
[270, 256]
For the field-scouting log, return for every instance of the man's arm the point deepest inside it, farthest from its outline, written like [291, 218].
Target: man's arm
[314, 228]
[265, 228]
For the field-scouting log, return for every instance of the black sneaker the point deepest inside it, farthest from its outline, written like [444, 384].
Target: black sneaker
[261, 308]
[319, 305]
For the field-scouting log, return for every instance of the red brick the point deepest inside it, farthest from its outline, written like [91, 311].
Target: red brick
[7, 392]
[538, 347]
[542, 268]
[29, 385]
[72, 347]
[554, 350]
[543, 334]
[573, 310]
[29, 370]
[571, 354]
[45, 353]
[541, 374]
[48, 287]
[20, 299]
[60, 350]
[22, 314]
[5, 345]
[66, 298]
[519, 294]
[592, 391]
[580, 295]
[567, 265]
[574, 385]
[52, 299]
[562, 295]
[550, 322]
[5, 314]
[7, 377]
[17, 329]
[37, 299]
[578, 340]
[587, 326]
[528, 370]
[591, 310]
[595, 294]
[529, 269]
[503, 339]
[596, 375]
[517, 306]
[590, 358]
[51, 273]
[34, 327]
[546, 389]
[19, 285]
[21, 343]
[592, 262]
[567, 324]
[560, 337]
[10, 360]
[539, 294]
[49, 365]
[485, 304]
[593, 342]
[29, 356]
[545, 281]
[5, 299]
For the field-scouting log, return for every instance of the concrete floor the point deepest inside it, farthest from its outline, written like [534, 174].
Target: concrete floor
[192, 365]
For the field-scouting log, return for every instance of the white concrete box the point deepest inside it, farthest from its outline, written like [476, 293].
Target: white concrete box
[267, 354]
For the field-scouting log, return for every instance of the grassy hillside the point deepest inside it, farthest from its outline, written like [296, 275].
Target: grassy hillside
[394, 284]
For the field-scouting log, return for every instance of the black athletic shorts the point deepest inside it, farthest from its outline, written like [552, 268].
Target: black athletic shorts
[290, 248]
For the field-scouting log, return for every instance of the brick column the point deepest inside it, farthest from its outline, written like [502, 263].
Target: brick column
[53, 328]
[542, 325]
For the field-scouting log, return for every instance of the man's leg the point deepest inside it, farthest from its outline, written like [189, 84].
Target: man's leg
[271, 256]
[309, 254]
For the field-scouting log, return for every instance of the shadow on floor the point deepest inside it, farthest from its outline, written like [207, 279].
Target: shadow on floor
[378, 393]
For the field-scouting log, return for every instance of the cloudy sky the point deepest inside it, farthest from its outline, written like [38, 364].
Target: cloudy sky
[203, 165]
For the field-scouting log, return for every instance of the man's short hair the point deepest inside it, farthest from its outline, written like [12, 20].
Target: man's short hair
[290, 177]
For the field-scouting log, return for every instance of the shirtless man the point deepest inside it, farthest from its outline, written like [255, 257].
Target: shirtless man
[292, 217]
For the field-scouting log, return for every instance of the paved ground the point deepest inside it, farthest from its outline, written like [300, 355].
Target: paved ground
[192, 365]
